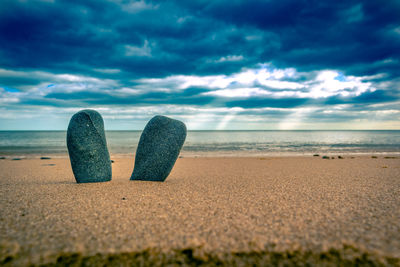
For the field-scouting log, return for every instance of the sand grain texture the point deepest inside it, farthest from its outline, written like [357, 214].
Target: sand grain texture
[209, 210]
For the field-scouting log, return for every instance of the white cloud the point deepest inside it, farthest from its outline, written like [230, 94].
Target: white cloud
[239, 92]
[262, 82]
[46, 81]
[246, 78]
[269, 81]
[7, 98]
[181, 82]
[138, 51]
[230, 58]
[388, 112]
[134, 6]
[108, 71]
[326, 84]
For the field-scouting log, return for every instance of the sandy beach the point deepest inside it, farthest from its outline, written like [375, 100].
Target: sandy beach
[231, 211]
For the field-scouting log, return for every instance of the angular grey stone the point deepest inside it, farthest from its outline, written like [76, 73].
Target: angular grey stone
[158, 149]
[87, 147]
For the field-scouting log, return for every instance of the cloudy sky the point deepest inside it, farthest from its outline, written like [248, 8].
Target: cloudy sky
[222, 64]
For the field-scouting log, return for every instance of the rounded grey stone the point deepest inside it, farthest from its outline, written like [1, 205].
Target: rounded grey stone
[87, 147]
[159, 147]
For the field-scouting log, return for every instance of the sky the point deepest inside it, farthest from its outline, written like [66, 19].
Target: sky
[215, 65]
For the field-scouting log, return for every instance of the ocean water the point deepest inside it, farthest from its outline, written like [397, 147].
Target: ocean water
[219, 143]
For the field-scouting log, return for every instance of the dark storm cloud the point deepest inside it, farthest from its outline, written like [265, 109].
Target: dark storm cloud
[141, 39]
[101, 98]
[379, 96]
[317, 34]
[368, 98]
[267, 102]
[161, 38]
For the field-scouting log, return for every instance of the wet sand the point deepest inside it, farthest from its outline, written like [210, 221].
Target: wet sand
[229, 211]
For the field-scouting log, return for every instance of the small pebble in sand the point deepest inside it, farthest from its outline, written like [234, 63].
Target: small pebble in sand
[158, 149]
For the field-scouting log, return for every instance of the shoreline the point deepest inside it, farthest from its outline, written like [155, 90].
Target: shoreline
[22, 155]
[240, 210]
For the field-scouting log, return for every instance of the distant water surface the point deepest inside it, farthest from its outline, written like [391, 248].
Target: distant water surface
[219, 143]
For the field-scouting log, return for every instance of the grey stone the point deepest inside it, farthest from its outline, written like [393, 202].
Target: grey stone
[87, 147]
[159, 147]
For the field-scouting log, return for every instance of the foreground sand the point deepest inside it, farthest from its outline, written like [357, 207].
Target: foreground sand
[231, 211]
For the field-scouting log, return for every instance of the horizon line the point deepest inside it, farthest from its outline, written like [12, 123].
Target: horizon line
[215, 130]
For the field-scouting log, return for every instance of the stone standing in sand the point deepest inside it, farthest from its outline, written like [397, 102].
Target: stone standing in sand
[87, 147]
[158, 149]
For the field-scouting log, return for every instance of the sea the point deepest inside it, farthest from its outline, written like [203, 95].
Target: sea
[217, 143]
